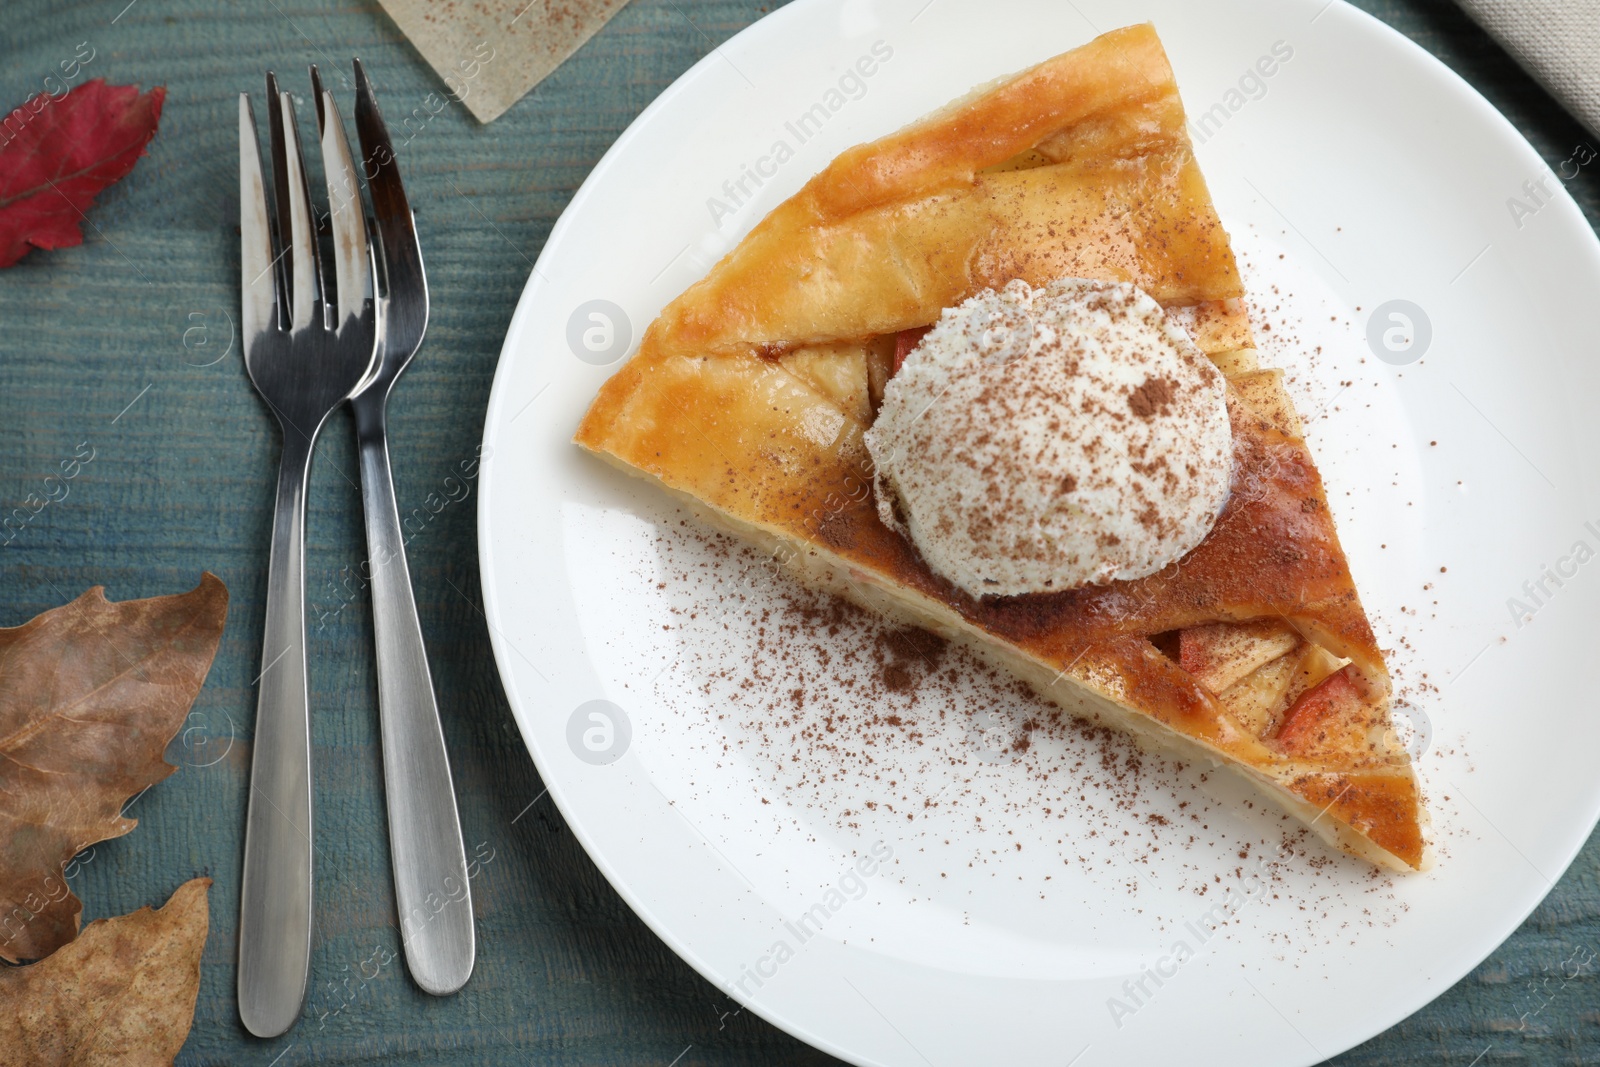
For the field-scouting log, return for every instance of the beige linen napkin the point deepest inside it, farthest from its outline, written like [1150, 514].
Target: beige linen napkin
[1557, 41]
[491, 52]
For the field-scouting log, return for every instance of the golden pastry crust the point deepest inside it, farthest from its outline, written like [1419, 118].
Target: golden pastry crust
[751, 391]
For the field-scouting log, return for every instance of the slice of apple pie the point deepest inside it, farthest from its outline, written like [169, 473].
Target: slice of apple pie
[992, 375]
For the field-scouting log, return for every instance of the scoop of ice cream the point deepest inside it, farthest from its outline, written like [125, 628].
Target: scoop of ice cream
[1038, 440]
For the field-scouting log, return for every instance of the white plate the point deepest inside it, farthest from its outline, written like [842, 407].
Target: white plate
[996, 932]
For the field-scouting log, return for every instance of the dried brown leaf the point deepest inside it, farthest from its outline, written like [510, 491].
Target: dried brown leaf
[90, 694]
[122, 994]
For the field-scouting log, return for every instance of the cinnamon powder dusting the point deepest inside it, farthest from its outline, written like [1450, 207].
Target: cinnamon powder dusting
[1152, 398]
[848, 727]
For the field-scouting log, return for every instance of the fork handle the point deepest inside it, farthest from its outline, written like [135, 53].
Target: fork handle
[430, 863]
[275, 896]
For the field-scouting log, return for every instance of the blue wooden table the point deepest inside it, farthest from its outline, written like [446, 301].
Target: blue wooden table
[122, 346]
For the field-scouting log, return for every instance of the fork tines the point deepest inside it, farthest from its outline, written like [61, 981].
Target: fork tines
[284, 281]
[406, 283]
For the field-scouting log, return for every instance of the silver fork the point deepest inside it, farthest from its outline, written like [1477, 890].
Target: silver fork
[305, 358]
[430, 863]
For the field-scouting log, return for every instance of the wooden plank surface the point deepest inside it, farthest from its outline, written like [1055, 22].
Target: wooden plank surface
[122, 344]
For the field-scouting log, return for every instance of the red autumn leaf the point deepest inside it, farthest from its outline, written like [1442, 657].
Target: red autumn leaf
[57, 153]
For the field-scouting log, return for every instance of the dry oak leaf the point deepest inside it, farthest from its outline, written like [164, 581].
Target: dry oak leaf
[90, 694]
[122, 994]
[58, 153]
